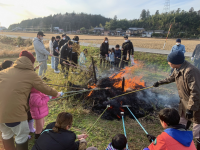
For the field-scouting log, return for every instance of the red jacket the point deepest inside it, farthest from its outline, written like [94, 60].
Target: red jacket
[173, 139]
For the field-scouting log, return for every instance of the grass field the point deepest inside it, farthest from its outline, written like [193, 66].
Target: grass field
[152, 43]
[155, 69]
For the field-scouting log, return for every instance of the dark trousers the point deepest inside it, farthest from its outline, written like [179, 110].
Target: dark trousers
[117, 61]
[197, 63]
[124, 62]
[65, 68]
[102, 60]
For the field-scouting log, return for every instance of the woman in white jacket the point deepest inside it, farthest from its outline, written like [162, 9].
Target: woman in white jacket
[51, 51]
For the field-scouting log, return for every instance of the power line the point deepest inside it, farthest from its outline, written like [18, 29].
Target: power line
[166, 6]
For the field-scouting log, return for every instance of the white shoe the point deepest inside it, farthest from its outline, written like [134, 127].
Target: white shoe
[58, 71]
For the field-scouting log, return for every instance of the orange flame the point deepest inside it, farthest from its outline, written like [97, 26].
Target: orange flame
[111, 107]
[118, 116]
[92, 87]
[121, 109]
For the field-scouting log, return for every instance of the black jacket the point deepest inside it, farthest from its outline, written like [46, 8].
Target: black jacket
[196, 52]
[62, 42]
[63, 140]
[128, 46]
[65, 53]
[55, 45]
[104, 48]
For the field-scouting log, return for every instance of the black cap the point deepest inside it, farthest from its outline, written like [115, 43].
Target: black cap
[41, 33]
[126, 36]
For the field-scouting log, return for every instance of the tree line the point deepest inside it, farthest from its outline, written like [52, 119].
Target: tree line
[68, 21]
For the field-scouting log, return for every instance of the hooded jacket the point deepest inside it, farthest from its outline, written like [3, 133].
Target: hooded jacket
[173, 139]
[16, 83]
[128, 47]
[38, 104]
[178, 48]
[188, 85]
[40, 50]
[65, 53]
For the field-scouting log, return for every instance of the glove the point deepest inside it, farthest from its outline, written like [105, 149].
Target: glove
[192, 58]
[156, 84]
[151, 138]
[189, 114]
[61, 93]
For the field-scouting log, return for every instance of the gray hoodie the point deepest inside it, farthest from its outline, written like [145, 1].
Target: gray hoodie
[40, 50]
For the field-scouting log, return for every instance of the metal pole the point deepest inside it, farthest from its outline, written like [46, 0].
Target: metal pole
[122, 113]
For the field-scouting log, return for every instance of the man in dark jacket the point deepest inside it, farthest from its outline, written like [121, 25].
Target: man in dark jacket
[56, 53]
[128, 51]
[63, 41]
[104, 51]
[187, 81]
[66, 54]
[196, 55]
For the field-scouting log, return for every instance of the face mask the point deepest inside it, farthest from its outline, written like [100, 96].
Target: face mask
[178, 44]
[125, 40]
[41, 38]
[63, 38]
[106, 41]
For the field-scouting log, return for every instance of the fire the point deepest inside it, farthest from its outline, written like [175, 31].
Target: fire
[118, 116]
[121, 109]
[131, 82]
[111, 107]
[92, 87]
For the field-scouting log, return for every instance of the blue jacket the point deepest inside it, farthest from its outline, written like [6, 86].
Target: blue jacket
[178, 48]
[112, 57]
[118, 53]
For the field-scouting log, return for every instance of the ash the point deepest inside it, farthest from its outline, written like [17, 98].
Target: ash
[141, 103]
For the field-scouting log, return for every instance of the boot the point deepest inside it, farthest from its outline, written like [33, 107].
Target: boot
[36, 137]
[31, 126]
[23, 146]
[198, 144]
[9, 144]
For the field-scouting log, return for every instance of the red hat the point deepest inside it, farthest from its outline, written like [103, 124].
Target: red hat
[27, 54]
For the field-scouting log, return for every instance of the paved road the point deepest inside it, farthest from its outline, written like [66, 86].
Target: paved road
[138, 49]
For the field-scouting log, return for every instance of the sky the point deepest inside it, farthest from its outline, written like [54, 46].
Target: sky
[14, 11]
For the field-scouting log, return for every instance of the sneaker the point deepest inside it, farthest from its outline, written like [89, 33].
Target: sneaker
[57, 71]
[44, 78]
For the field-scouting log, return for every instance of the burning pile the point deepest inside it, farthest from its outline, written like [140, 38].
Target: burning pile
[140, 102]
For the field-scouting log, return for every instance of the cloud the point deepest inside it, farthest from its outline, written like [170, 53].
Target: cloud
[5, 5]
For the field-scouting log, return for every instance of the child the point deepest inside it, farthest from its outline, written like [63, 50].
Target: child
[119, 142]
[57, 135]
[82, 58]
[174, 137]
[39, 109]
[112, 57]
[117, 55]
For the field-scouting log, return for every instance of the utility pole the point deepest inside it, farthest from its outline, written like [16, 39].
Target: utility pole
[166, 6]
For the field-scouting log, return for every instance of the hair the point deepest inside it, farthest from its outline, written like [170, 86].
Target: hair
[1, 68]
[58, 37]
[63, 120]
[76, 38]
[105, 39]
[119, 141]
[6, 64]
[85, 50]
[52, 38]
[170, 116]
[70, 42]
[63, 35]
[117, 46]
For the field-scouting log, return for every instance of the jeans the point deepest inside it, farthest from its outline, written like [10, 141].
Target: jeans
[124, 62]
[52, 62]
[112, 63]
[56, 63]
[43, 68]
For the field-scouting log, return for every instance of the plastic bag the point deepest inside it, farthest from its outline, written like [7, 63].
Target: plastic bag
[132, 60]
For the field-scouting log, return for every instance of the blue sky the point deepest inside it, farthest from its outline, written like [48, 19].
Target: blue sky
[14, 11]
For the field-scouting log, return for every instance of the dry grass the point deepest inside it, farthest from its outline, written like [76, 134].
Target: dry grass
[151, 43]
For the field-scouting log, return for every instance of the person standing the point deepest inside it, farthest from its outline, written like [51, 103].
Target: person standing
[178, 47]
[51, 51]
[104, 51]
[112, 58]
[66, 54]
[117, 55]
[128, 51]
[56, 54]
[41, 53]
[16, 83]
[63, 41]
[196, 55]
[186, 76]
[82, 58]
[75, 49]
